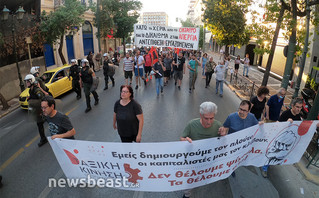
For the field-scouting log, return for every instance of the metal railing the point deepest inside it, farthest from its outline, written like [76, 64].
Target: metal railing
[243, 84]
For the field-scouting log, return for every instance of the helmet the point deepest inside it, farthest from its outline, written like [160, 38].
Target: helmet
[34, 70]
[73, 61]
[84, 60]
[30, 78]
[105, 54]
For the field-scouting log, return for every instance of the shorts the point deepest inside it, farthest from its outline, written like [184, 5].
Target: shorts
[128, 74]
[178, 75]
[140, 71]
[147, 69]
[236, 66]
[167, 73]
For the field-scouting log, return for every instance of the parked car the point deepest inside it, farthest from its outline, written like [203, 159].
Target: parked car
[56, 80]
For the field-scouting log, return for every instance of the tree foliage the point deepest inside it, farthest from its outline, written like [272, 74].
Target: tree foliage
[226, 20]
[117, 17]
[66, 19]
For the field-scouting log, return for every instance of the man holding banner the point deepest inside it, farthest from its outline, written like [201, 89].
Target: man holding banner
[202, 128]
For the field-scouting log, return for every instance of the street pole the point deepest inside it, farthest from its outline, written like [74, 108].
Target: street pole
[304, 53]
[16, 56]
[98, 24]
[314, 109]
[291, 47]
[203, 38]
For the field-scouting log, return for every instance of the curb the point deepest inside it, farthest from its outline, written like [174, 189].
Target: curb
[12, 108]
[308, 176]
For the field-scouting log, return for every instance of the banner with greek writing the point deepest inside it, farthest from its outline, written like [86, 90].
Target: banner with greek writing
[164, 36]
[172, 166]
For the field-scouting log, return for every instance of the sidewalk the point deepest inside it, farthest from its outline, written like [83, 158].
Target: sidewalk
[14, 104]
[311, 173]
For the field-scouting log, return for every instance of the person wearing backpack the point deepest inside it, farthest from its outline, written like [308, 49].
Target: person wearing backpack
[148, 65]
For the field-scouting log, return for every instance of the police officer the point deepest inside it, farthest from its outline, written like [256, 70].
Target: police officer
[86, 76]
[108, 71]
[75, 74]
[35, 71]
[34, 101]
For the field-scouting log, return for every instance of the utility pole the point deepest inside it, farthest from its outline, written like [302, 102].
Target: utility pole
[304, 53]
[98, 24]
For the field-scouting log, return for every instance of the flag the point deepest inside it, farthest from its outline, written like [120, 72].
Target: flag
[154, 55]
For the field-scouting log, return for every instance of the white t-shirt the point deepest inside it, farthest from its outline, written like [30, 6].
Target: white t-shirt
[128, 65]
[139, 61]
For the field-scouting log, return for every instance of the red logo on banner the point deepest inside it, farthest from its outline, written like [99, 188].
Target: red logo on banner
[133, 173]
[73, 159]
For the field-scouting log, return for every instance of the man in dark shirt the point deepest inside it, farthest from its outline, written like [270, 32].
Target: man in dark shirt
[274, 105]
[75, 74]
[59, 124]
[179, 69]
[293, 113]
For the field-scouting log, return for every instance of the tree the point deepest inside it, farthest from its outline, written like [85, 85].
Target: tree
[226, 20]
[187, 23]
[65, 19]
[125, 18]
[117, 17]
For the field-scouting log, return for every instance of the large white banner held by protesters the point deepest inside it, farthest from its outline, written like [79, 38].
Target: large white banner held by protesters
[164, 36]
[172, 166]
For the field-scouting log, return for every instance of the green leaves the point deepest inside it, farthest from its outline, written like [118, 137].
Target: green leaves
[66, 18]
[226, 20]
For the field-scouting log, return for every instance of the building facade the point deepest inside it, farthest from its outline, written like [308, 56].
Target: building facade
[155, 18]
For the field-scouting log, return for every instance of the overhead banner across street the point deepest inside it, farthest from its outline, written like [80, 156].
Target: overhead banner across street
[172, 166]
[164, 36]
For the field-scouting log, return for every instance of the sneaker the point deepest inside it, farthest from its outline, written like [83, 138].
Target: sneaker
[136, 87]
[221, 95]
[206, 86]
[151, 77]
[264, 173]
[88, 109]
[233, 174]
[42, 142]
[184, 196]
[96, 102]
[175, 83]
[105, 88]
[78, 97]
[190, 90]
[161, 89]
[179, 87]
[247, 76]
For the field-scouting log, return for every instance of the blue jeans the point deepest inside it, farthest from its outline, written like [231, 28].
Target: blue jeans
[265, 168]
[246, 68]
[219, 83]
[159, 84]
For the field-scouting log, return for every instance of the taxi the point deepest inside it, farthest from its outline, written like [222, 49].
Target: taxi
[56, 80]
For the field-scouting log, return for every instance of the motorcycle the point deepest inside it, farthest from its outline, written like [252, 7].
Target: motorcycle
[115, 61]
[307, 94]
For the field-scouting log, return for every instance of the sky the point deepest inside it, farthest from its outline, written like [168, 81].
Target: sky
[173, 8]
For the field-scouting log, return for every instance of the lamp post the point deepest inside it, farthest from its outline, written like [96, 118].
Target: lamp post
[19, 15]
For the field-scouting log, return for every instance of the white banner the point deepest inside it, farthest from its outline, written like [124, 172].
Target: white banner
[164, 36]
[172, 166]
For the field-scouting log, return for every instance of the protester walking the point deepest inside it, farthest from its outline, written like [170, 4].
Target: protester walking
[274, 105]
[138, 70]
[237, 63]
[209, 70]
[246, 65]
[90, 59]
[193, 69]
[128, 116]
[258, 103]
[220, 75]
[168, 61]
[203, 62]
[128, 68]
[159, 70]
[148, 64]
[98, 58]
[179, 69]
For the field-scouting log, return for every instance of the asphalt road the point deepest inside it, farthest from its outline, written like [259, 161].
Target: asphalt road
[26, 168]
